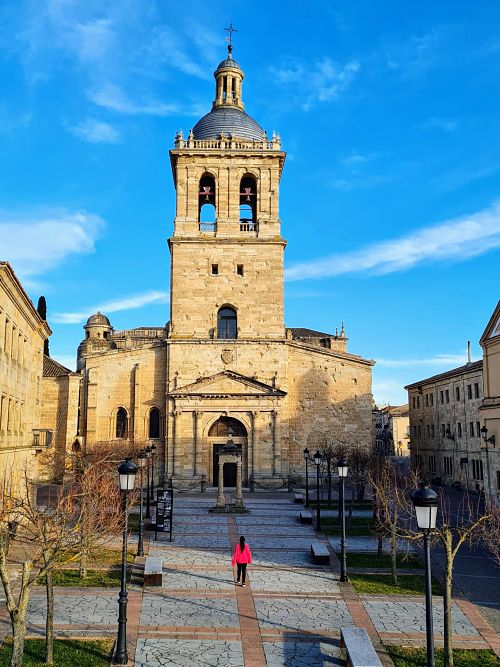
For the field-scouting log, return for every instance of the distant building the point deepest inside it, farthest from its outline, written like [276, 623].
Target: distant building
[392, 430]
[445, 426]
[490, 406]
[22, 337]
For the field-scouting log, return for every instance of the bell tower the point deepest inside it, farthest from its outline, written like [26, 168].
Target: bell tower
[227, 249]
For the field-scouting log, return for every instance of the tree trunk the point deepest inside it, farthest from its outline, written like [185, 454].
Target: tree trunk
[394, 550]
[49, 622]
[82, 570]
[18, 617]
[329, 480]
[447, 600]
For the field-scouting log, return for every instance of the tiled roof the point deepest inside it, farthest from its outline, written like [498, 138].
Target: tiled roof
[227, 120]
[300, 332]
[467, 368]
[53, 369]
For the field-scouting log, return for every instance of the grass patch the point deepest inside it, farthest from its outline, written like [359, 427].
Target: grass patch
[416, 657]
[381, 584]
[112, 557]
[84, 653]
[371, 560]
[355, 521]
[95, 578]
[352, 531]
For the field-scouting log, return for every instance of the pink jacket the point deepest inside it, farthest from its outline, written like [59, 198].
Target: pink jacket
[241, 556]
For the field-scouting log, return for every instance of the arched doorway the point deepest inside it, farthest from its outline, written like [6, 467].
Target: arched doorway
[221, 431]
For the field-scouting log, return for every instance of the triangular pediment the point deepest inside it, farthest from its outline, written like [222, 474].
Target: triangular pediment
[493, 327]
[227, 383]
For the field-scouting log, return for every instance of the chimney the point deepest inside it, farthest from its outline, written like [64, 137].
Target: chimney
[469, 358]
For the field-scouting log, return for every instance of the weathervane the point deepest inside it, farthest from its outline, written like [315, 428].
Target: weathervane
[229, 39]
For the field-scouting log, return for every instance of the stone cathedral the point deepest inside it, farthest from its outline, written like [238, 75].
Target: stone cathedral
[224, 367]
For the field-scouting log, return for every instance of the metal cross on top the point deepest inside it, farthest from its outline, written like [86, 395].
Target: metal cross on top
[230, 30]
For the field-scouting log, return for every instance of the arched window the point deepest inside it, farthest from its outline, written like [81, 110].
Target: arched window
[226, 323]
[154, 423]
[206, 206]
[248, 204]
[121, 423]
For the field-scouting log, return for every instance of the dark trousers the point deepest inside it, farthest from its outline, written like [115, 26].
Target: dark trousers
[242, 571]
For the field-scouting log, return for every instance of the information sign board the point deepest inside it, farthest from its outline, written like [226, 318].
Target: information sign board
[164, 510]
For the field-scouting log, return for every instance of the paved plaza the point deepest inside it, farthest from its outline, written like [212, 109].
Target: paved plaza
[289, 614]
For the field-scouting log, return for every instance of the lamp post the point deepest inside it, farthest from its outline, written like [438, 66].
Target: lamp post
[306, 459]
[342, 468]
[127, 472]
[317, 462]
[147, 452]
[153, 451]
[425, 501]
[141, 460]
[491, 439]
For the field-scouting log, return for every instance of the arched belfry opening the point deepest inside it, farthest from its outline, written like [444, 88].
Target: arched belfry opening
[207, 212]
[222, 431]
[227, 323]
[248, 204]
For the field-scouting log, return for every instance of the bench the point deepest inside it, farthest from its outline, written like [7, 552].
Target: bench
[153, 569]
[298, 498]
[320, 553]
[305, 516]
[359, 648]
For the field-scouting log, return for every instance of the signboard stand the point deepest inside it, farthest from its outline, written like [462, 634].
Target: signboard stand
[164, 512]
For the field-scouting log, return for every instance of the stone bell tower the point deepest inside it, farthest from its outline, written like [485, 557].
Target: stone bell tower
[227, 249]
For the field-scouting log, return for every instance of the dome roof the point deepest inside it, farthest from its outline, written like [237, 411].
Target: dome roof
[98, 318]
[227, 120]
[228, 62]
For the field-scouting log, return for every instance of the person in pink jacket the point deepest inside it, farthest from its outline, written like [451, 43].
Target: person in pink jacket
[242, 557]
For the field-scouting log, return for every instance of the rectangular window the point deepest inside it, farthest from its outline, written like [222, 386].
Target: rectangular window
[414, 402]
[478, 429]
[459, 429]
[498, 480]
[447, 395]
[419, 431]
[457, 393]
[418, 401]
[476, 389]
[215, 269]
[432, 463]
[433, 431]
[443, 430]
[432, 399]
[441, 397]
[471, 429]
[477, 469]
[428, 430]
[427, 400]
[469, 391]
[239, 269]
[448, 465]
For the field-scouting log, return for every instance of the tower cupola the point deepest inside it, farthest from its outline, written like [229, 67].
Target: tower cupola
[228, 83]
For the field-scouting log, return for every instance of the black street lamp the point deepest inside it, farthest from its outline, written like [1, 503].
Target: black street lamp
[317, 462]
[342, 468]
[147, 452]
[425, 501]
[153, 451]
[141, 460]
[306, 459]
[127, 472]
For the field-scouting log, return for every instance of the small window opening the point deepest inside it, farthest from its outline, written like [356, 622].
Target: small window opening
[206, 205]
[215, 269]
[239, 269]
[106, 334]
[226, 323]
[154, 423]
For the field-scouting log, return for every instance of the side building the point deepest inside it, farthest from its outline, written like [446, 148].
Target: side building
[445, 426]
[392, 430]
[22, 337]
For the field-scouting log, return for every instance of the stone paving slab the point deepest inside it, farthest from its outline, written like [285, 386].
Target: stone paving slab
[174, 611]
[252, 530]
[303, 654]
[282, 558]
[289, 543]
[188, 653]
[286, 614]
[296, 581]
[180, 556]
[407, 617]
[197, 529]
[367, 543]
[75, 609]
[199, 580]
[195, 540]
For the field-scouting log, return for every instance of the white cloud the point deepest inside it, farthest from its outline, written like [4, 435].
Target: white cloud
[111, 97]
[446, 124]
[453, 240]
[321, 81]
[37, 242]
[355, 159]
[126, 303]
[95, 132]
[387, 391]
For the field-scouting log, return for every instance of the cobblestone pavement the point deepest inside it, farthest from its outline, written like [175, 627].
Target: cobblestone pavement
[288, 615]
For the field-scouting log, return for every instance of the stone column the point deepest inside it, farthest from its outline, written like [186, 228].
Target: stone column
[276, 445]
[253, 454]
[196, 452]
[177, 414]
[229, 97]
[221, 501]
[238, 498]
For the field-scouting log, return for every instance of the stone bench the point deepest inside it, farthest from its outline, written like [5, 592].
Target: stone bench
[359, 648]
[153, 569]
[305, 516]
[298, 498]
[320, 553]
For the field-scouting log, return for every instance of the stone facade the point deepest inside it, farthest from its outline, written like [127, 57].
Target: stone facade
[224, 367]
[490, 407]
[392, 426]
[22, 336]
[445, 426]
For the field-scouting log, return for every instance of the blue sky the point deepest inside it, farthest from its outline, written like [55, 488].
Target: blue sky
[390, 195]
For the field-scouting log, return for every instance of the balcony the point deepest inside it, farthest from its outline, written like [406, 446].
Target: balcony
[248, 225]
[42, 438]
[208, 226]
